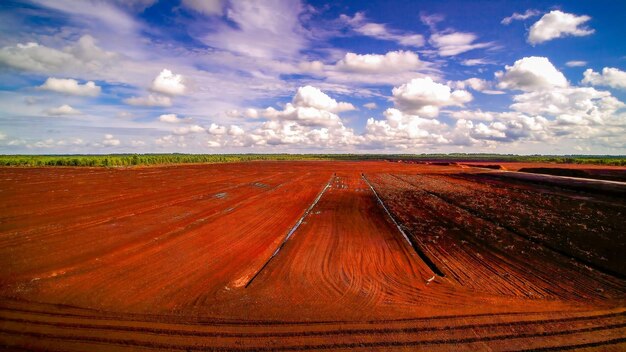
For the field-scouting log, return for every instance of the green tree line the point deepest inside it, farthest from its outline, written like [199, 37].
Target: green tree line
[125, 160]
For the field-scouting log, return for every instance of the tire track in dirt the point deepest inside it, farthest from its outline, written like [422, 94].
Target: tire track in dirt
[321, 250]
[293, 229]
[141, 240]
[382, 330]
[450, 342]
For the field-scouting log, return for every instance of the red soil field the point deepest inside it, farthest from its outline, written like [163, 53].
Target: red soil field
[310, 256]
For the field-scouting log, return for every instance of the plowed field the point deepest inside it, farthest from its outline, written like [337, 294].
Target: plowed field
[310, 256]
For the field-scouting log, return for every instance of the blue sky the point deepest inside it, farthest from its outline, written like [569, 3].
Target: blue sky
[219, 76]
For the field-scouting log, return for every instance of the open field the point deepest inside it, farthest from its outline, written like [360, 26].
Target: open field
[312, 255]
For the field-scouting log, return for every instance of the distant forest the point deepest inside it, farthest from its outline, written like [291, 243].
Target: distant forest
[121, 160]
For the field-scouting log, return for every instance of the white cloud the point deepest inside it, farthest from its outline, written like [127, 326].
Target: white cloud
[310, 120]
[207, 7]
[576, 63]
[110, 141]
[263, 29]
[235, 130]
[136, 5]
[424, 97]
[359, 24]
[310, 107]
[393, 61]
[71, 86]
[62, 110]
[83, 56]
[311, 97]
[476, 62]
[394, 67]
[531, 73]
[251, 113]
[588, 104]
[496, 128]
[370, 106]
[189, 129]
[217, 129]
[431, 20]
[610, 77]
[477, 84]
[306, 116]
[557, 24]
[173, 118]
[171, 140]
[150, 100]
[520, 16]
[168, 83]
[475, 115]
[450, 44]
[403, 130]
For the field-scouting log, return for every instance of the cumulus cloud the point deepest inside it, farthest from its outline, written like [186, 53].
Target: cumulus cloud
[71, 86]
[110, 141]
[392, 61]
[476, 115]
[520, 16]
[424, 97]
[399, 129]
[310, 120]
[206, 7]
[306, 116]
[576, 63]
[360, 25]
[189, 129]
[235, 130]
[450, 44]
[83, 56]
[311, 97]
[393, 67]
[531, 73]
[370, 106]
[150, 100]
[477, 84]
[168, 83]
[492, 129]
[610, 77]
[310, 107]
[557, 24]
[171, 140]
[62, 111]
[587, 104]
[173, 118]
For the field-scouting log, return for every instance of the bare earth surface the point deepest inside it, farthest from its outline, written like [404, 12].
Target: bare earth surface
[312, 256]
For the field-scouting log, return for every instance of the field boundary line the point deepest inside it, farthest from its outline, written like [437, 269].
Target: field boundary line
[431, 265]
[293, 229]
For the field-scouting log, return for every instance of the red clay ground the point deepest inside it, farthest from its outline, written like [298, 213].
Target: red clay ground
[213, 257]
